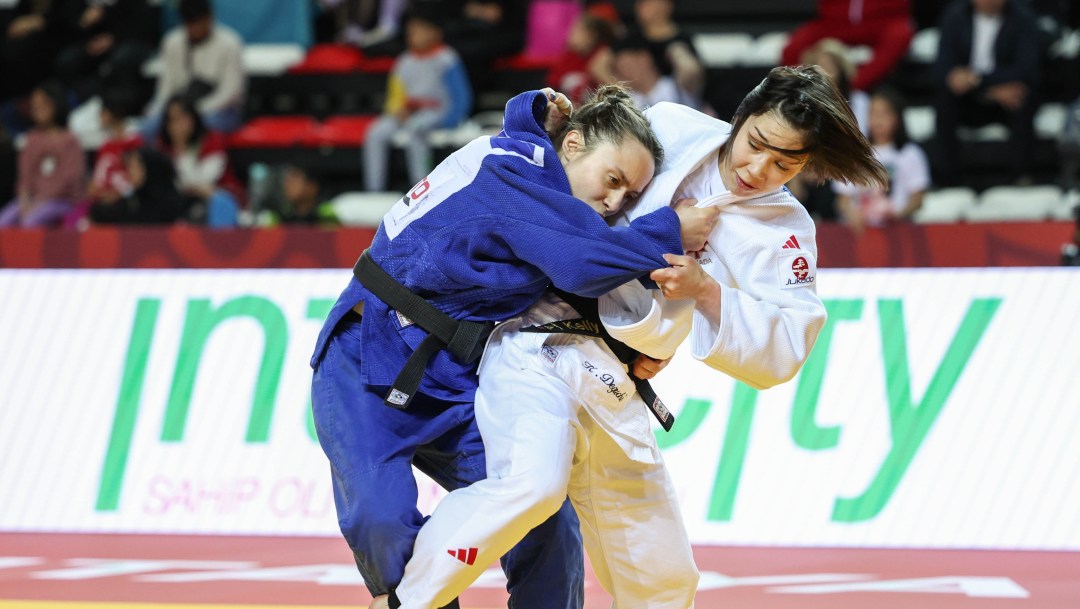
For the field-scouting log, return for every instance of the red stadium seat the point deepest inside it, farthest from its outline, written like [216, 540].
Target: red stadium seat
[329, 58]
[341, 131]
[273, 132]
[522, 62]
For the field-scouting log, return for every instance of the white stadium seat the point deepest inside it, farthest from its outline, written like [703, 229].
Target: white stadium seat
[919, 121]
[1050, 120]
[924, 45]
[723, 50]
[766, 50]
[363, 208]
[1066, 207]
[1015, 204]
[945, 205]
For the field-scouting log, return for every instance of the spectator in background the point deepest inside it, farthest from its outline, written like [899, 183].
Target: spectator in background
[111, 42]
[8, 165]
[52, 165]
[203, 61]
[365, 22]
[150, 196]
[587, 60]
[302, 200]
[427, 90]
[109, 179]
[834, 57]
[672, 49]
[909, 171]
[32, 38]
[988, 62]
[884, 25]
[482, 32]
[212, 193]
[635, 64]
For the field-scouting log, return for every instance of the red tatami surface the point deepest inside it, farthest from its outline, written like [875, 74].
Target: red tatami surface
[80, 571]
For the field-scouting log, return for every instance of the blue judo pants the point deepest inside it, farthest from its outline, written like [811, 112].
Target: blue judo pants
[371, 448]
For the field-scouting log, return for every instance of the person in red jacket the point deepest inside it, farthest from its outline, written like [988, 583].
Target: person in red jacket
[884, 25]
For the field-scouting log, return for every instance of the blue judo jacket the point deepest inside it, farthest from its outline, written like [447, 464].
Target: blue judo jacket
[482, 237]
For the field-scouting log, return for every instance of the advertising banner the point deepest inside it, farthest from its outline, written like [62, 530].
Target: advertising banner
[939, 408]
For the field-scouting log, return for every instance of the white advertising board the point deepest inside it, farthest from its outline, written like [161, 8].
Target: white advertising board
[940, 408]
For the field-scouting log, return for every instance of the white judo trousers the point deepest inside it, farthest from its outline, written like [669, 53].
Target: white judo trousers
[559, 416]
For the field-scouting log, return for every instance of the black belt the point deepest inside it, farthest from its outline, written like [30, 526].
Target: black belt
[465, 340]
[590, 325]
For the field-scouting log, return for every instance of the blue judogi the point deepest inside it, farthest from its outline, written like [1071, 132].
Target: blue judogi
[480, 238]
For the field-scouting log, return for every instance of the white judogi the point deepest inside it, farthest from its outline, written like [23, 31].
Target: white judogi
[559, 414]
[763, 253]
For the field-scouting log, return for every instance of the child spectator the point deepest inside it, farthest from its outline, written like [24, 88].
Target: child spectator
[909, 171]
[586, 62]
[109, 178]
[151, 196]
[302, 200]
[52, 165]
[427, 90]
[211, 191]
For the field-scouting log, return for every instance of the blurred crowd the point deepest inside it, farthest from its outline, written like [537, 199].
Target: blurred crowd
[163, 153]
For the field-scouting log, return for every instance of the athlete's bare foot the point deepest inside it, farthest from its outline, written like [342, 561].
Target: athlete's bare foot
[380, 602]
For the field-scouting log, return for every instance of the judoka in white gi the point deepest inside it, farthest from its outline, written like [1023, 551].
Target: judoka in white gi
[558, 412]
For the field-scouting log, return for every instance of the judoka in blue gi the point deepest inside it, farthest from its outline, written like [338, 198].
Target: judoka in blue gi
[480, 239]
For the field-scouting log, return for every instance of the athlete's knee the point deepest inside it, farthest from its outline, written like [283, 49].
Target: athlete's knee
[541, 495]
[374, 520]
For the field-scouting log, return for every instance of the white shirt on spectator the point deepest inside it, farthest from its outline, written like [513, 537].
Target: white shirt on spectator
[665, 90]
[982, 43]
[909, 173]
[218, 60]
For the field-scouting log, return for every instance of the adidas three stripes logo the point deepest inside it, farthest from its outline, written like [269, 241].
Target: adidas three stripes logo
[467, 556]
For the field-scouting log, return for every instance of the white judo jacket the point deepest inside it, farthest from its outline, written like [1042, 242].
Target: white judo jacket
[762, 252]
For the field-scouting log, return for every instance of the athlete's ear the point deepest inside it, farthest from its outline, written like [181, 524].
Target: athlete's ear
[573, 143]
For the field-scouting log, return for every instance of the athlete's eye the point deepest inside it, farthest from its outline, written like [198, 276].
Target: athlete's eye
[614, 181]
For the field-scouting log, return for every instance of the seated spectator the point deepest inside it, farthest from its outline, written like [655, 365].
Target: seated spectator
[203, 61]
[909, 171]
[672, 49]
[302, 201]
[109, 178]
[834, 57]
[8, 166]
[482, 32]
[112, 41]
[365, 22]
[32, 37]
[212, 194]
[587, 60]
[150, 195]
[52, 165]
[635, 65]
[427, 90]
[884, 25]
[988, 61]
